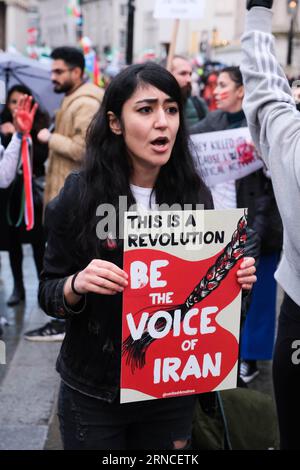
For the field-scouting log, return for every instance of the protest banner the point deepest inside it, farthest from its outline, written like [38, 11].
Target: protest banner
[225, 155]
[178, 9]
[181, 309]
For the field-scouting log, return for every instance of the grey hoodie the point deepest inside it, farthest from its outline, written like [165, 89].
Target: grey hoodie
[274, 124]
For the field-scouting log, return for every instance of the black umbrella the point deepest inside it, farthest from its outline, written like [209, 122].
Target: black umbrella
[16, 69]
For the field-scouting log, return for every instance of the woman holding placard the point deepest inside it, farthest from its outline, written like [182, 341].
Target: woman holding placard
[256, 193]
[137, 147]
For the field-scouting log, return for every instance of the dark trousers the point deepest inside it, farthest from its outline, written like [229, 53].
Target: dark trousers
[286, 374]
[88, 423]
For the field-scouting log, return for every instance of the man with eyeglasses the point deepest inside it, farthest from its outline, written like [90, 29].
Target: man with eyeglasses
[67, 142]
[81, 101]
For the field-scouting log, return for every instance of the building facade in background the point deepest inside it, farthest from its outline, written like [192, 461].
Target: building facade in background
[105, 23]
[13, 24]
[216, 36]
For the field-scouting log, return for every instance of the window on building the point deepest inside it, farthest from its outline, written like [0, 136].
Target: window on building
[122, 38]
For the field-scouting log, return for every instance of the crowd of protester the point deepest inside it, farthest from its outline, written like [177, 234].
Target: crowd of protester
[94, 153]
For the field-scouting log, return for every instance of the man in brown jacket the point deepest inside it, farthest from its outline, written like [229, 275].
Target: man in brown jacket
[67, 143]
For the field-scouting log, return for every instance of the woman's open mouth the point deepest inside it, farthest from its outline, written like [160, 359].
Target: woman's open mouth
[161, 144]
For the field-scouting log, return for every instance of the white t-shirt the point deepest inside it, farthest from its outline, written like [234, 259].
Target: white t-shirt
[142, 197]
[224, 195]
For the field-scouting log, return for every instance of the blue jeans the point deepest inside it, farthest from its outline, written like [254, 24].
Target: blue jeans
[88, 423]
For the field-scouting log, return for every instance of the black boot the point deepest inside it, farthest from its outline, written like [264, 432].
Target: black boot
[17, 295]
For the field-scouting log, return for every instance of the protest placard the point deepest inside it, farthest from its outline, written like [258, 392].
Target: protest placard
[181, 310]
[225, 155]
[179, 9]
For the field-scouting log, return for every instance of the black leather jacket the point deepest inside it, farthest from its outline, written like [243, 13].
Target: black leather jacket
[89, 360]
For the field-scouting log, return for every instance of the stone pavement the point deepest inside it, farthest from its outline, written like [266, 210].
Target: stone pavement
[28, 381]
